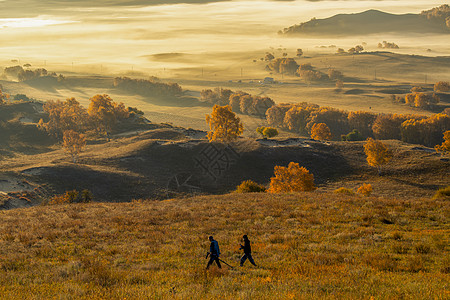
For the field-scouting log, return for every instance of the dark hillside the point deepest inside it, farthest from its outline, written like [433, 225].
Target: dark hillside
[368, 22]
[164, 163]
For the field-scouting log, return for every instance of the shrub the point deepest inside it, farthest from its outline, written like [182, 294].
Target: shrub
[365, 189]
[422, 248]
[68, 197]
[267, 132]
[344, 191]
[442, 193]
[86, 196]
[250, 186]
[352, 136]
[291, 179]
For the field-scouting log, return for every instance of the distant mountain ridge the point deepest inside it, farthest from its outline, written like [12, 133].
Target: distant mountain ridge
[370, 22]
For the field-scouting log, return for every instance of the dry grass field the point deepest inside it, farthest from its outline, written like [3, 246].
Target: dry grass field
[307, 246]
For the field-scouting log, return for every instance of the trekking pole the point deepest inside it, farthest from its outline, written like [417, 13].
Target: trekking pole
[226, 263]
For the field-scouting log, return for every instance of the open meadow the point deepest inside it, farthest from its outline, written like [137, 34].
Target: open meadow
[307, 246]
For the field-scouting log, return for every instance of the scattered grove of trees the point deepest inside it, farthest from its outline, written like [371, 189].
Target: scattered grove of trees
[387, 45]
[150, 87]
[442, 86]
[441, 13]
[68, 120]
[305, 71]
[28, 74]
[420, 99]
[239, 101]
[301, 117]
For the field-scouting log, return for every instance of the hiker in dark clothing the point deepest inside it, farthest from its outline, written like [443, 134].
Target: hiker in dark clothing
[247, 251]
[214, 253]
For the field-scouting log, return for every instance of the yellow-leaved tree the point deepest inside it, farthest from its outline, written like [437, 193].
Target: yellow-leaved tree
[320, 131]
[224, 124]
[106, 113]
[378, 154]
[73, 143]
[291, 179]
[445, 147]
[64, 115]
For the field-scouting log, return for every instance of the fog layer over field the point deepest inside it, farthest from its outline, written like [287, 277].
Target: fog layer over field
[123, 35]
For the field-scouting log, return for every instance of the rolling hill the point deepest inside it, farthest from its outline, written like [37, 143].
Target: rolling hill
[369, 22]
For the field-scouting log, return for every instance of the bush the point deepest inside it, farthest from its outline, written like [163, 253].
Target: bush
[365, 189]
[344, 191]
[353, 136]
[422, 248]
[86, 196]
[267, 132]
[442, 193]
[250, 186]
[291, 179]
[68, 197]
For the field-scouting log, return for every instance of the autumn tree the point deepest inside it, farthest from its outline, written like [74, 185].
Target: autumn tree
[64, 115]
[276, 114]
[442, 86]
[73, 143]
[387, 126]
[335, 74]
[320, 131]
[269, 57]
[3, 96]
[235, 101]
[339, 85]
[378, 154]
[105, 113]
[291, 179]
[246, 102]
[335, 119]
[299, 52]
[224, 124]
[445, 147]
[362, 121]
[423, 100]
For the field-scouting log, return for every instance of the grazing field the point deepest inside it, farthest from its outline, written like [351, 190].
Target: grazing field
[307, 246]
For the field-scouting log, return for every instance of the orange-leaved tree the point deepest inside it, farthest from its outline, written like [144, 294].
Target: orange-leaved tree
[64, 115]
[291, 179]
[442, 86]
[224, 124]
[73, 143]
[320, 131]
[378, 154]
[106, 113]
[445, 147]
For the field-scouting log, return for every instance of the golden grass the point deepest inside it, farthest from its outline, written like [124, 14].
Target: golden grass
[308, 246]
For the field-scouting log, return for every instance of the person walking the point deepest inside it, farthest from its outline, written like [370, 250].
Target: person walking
[247, 251]
[214, 253]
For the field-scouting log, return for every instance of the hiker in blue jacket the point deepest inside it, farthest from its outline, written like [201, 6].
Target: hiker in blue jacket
[247, 251]
[214, 253]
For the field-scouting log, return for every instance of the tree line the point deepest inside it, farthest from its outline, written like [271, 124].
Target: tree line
[150, 87]
[359, 125]
[239, 101]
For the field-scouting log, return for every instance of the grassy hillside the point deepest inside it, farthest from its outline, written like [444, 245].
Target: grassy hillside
[148, 164]
[368, 22]
[307, 246]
